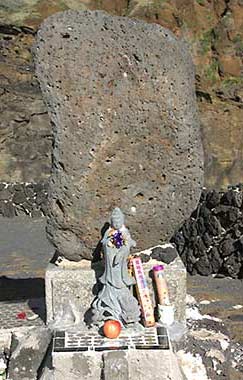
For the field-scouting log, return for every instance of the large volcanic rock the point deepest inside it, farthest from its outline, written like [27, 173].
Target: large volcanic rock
[120, 94]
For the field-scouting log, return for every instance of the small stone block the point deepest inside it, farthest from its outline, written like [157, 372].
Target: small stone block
[153, 365]
[115, 366]
[29, 349]
[77, 365]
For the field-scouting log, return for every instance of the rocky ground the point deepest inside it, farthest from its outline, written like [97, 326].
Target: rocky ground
[208, 352]
[221, 298]
[213, 30]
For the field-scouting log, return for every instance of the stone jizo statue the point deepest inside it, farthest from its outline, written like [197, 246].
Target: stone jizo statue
[115, 300]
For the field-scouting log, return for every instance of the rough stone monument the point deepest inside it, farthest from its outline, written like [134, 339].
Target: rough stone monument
[120, 94]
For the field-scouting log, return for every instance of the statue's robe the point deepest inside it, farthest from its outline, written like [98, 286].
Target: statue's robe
[115, 300]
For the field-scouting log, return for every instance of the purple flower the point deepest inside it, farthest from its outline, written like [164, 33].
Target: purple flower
[118, 239]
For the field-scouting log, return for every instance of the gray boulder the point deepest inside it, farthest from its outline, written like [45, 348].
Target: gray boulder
[120, 93]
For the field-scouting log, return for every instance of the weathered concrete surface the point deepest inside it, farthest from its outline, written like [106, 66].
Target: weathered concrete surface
[120, 94]
[29, 348]
[65, 285]
[77, 366]
[115, 365]
[153, 365]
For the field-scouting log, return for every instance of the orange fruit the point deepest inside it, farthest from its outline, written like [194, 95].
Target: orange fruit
[112, 329]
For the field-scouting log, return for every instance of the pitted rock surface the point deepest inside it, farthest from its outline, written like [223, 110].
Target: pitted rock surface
[120, 94]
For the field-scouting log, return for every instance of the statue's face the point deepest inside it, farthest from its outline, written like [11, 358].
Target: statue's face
[117, 222]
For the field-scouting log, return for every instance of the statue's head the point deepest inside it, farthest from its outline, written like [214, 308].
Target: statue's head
[117, 218]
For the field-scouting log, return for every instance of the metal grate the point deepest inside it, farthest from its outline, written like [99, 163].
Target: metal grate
[151, 338]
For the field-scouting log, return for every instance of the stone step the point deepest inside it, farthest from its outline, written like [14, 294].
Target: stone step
[117, 364]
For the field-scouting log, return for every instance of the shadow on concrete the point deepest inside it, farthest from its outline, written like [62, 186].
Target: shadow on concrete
[12, 289]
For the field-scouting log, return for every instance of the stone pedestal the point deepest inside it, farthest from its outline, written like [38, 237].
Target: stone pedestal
[79, 286]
